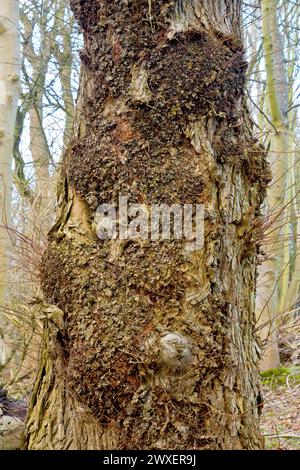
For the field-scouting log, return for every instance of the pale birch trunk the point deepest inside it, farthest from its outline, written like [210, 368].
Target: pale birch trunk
[273, 273]
[146, 347]
[9, 93]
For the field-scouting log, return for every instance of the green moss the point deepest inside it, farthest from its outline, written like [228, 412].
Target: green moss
[277, 377]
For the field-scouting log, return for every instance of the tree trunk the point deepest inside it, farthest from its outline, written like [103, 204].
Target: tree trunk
[39, 149]
[147, 345]
[273, 277]
[9, 94]
[64, 56]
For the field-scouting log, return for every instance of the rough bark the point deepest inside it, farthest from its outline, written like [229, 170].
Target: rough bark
[163, 120]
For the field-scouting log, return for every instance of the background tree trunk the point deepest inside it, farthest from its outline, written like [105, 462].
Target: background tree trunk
[163, 120]
[9, 94]
[273, 280]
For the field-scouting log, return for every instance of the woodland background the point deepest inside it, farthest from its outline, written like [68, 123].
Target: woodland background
[44, 83]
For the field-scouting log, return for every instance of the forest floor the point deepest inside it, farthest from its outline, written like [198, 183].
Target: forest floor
[280, 418]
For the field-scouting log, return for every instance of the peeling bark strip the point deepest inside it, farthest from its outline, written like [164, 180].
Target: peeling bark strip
[156, 346]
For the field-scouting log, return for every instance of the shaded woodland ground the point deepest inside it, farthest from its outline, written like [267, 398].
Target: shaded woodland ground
[280, 420]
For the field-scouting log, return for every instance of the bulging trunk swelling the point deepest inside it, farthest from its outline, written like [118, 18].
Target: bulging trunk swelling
[152, 346]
